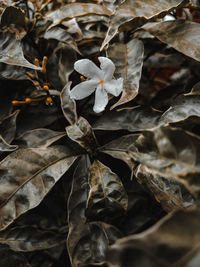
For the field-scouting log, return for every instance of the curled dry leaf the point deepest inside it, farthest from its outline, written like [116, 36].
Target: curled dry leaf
[68, 104]
[82, 133]
[107, 193]
[27, 175]
[180, 34]
[174, 240]
[5, 147]
[11, 51]
[132, 14]
[128, 59]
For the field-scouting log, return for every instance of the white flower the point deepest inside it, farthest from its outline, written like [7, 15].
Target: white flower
[98, 79]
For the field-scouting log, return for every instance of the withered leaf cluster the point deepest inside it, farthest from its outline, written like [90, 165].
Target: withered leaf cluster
[120, 188]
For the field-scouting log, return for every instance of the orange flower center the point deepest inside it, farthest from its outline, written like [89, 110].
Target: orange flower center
[101, 81]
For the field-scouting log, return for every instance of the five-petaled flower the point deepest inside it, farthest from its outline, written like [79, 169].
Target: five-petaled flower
[99, 79]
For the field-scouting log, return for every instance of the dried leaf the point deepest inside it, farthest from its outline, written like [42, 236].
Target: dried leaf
[74, 10]
[136, 119]
[128, 59]
[13, 15]
[5, 147]
[11, 51]
[82, 133]
[68, 105]
[182, 109]
[180, 34]
[26, 177]
[169, 192]
[8, 127]
[87, 242]
[133, 14]
[107, 194]
[39, 138]
[173, 240]
[28, 238]
[12, 259]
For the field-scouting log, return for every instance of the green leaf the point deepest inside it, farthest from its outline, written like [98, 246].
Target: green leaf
[107, 194]
[180, 34]
[128, 59]
[27, 175]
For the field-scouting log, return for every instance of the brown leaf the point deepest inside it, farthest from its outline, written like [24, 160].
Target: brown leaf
[68, 105]
[82, 133]
[87, 242]
[174, 240]
[39, 138]
[136, 119]
[12, 259]
[169, 192]
[133, 14]
[128, 59]
[74, 10]
[27, 175]
[28, 238]
[5, 147]
[8, 127]
[107, 194]
[180, 34]
[11, 51]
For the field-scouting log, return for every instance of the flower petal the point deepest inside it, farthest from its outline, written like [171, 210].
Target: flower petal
[114, 87]
[87, 68]
[107, 67]
[83, 89]
[101, 99]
